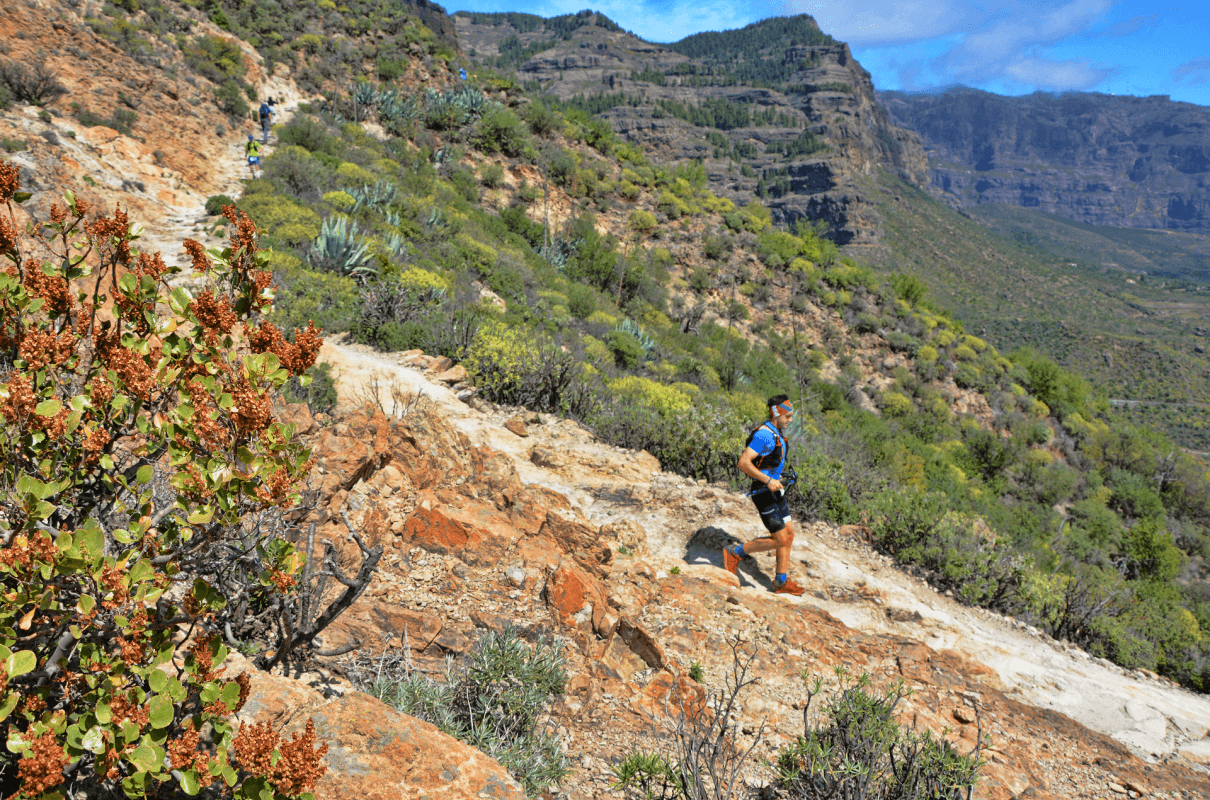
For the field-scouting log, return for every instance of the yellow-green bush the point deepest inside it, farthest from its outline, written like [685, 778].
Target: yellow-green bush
[595, 350]
[748, 406]
[339, 200]
[944, 338]
[628, 190]
[352, 173]
[630, 176]
[644, 391]
[927, 353]
[673, 206]
[1038, 458]
[964, 353]
[1040, 409]
[715, 204]
[421, 280]
[896, 404]
[755, 217]
[602, 318]
[475, 254]
[281, 216]
[309, 41]
[974, 342]
[642, 221]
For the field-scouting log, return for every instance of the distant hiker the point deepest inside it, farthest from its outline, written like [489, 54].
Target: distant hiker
[266, 118]
[462, 73]
[763, 460]
[252, 150]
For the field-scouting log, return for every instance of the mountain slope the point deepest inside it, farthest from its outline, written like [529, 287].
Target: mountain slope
[777, 110]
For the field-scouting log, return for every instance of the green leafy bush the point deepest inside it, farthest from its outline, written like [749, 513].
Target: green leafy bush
[215, 204]
[131, 472]
[859, 750]
[520, 368]
[500, 130]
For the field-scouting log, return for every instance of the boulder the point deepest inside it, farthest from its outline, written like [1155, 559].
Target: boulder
[516, 425]
[374, 752]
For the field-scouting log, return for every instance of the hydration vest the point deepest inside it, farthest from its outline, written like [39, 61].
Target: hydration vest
[781, 449]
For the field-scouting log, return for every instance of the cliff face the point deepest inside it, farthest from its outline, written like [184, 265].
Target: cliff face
[1100, 159]
[814, 124]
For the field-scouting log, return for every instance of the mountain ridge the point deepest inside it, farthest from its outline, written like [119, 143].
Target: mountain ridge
[1094, 158]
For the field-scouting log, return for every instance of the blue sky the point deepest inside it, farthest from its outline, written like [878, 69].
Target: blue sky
[1004, 46]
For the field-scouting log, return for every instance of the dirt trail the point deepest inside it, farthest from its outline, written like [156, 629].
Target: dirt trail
[190, 220]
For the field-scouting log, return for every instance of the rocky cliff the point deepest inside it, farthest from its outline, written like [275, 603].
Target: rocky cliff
[797, 126]
[1100, 159]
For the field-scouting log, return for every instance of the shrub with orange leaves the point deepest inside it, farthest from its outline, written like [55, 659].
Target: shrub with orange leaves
[138, 459]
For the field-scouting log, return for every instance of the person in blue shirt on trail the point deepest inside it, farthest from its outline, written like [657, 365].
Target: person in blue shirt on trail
[266, 114]
[763, 460]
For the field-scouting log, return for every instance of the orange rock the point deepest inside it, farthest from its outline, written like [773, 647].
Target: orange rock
[570, 589]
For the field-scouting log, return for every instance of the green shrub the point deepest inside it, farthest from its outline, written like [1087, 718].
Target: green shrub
[308, 133]
[627, 351]
[642, 221]
[491, 699]
[299, 173]
[215, 203]
[581, 301]
[500, 130]
[303, 295]
[516, 367]
[859, 750]
[492, 176]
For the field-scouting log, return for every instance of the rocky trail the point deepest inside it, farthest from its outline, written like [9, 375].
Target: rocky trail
[858, 610]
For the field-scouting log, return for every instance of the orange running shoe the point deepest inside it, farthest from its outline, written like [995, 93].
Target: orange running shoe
[789, 587]
[731, 561]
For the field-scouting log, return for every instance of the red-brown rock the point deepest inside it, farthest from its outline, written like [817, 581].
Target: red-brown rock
[375, 752]
[368, 621]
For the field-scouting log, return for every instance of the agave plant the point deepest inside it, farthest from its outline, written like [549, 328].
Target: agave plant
[397, 113]
[393, 217]
[365, 95]
[339, 249]
[558, 252]
[379, 195]
[453, 108]
[395, 244]
[641, 336]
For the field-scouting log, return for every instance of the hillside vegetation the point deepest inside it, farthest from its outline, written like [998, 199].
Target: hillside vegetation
[567, 272]
[1074, 292]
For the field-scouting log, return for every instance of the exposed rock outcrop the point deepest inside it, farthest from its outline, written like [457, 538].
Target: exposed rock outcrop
[1101, 159]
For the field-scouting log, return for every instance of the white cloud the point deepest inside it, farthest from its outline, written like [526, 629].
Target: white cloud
[1056, 75]
[1006, 41]
[1193, 73]
[883, 22]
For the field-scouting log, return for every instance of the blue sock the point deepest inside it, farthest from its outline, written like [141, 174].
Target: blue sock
[738, 550]
[781, 577]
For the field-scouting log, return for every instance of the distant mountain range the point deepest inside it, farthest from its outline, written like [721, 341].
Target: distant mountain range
[1140, 162]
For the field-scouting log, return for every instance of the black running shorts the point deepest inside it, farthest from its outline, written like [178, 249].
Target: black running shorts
[774, 512]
